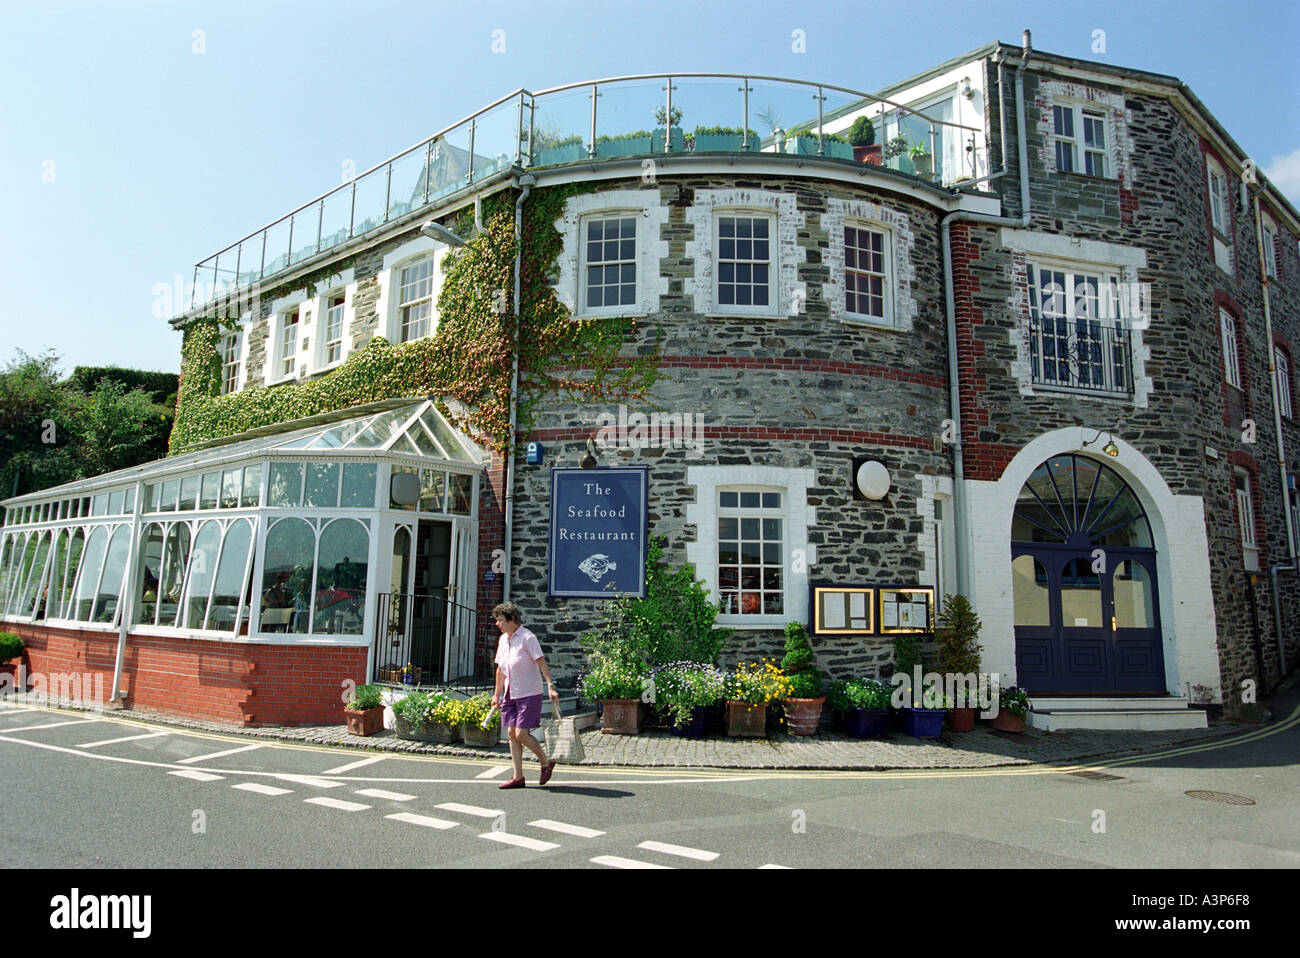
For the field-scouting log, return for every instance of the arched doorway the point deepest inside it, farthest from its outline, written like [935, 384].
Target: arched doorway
[1085, 593]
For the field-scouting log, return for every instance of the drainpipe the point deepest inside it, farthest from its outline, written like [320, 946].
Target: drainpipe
[960, 523]
[525, 183]
[126, 606]
[1289, 566]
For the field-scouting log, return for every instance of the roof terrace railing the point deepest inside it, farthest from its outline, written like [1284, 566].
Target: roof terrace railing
[617, 116]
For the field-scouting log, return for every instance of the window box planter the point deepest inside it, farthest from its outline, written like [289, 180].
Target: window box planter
[678, 142]
[867, 723]
[923, 723]
[722, 142]
[620, 716]
[433, 732]
[961, 720]
[802, 716]
[745, 720]
[478, 737]
[805, 144]
[569, 153]
[696, 726]
[364, 722]
[623, 145]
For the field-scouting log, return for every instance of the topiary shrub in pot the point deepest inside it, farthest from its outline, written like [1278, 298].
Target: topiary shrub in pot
[364, 713]
[803, 709]
[959, 654]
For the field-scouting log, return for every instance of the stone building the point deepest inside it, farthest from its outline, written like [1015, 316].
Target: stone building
[1047, 320]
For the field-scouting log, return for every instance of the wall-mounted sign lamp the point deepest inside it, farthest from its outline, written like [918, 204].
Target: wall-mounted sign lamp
[1109, 449]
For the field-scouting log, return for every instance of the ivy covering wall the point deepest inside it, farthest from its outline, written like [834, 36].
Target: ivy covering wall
[469, 357]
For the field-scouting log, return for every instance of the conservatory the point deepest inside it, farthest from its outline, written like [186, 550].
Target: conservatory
[289, 535]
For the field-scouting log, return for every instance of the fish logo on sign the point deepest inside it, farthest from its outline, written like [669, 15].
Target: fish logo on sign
[595, 566]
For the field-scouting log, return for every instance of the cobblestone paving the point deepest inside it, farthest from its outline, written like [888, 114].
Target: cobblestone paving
[982, 747]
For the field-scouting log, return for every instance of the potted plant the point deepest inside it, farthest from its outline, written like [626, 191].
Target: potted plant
[803, 709]
[748, 690]
[625, 144]
[364, 712]
[923, 715]
[616, 679]
[866, 707]
[730, 139]
[862, 137]
[959, 654]
[426, 717]
[470, 715]
[922, 161]
[803, 141]
[684, 692]
[1013, 706]
[11, 648]
[677, 137]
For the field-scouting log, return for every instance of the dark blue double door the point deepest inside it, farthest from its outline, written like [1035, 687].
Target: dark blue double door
[1087, 621]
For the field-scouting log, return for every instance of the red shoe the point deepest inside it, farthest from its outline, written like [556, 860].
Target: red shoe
[547, 769]
[513, 783]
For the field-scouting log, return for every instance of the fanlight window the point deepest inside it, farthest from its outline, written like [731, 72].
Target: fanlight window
[1076, 501]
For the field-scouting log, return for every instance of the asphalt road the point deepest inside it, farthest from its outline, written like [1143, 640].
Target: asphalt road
[83, 791]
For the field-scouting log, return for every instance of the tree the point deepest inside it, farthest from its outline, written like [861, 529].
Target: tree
[52, 432]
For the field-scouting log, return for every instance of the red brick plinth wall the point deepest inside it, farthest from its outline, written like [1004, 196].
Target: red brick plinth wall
[231, 682]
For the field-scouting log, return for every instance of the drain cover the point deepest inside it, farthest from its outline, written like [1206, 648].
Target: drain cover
[1098, 776]
[1227, 798]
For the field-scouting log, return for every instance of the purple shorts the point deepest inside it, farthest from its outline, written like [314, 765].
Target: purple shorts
[525, 713]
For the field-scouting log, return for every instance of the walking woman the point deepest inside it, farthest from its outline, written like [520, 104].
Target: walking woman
[520, 667]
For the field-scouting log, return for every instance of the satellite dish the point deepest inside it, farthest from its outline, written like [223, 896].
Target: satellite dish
[873, 479]
[405, 488]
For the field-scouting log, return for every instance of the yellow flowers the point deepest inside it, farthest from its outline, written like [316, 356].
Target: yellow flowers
[758, 683]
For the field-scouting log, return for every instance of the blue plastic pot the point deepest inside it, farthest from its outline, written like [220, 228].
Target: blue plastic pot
[695, 727]
[923, 723]
[866, 723]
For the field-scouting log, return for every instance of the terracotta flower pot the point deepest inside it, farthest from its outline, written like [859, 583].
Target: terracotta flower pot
[1006, 722]
[620, 716]
[745, 720]
[868, 154]
[803, 715]
[961, 720]
[366, 722]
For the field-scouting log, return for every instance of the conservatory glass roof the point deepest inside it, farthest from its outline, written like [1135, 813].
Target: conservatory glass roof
[405, 427]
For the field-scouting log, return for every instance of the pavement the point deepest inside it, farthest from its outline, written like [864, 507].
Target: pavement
[982, 747]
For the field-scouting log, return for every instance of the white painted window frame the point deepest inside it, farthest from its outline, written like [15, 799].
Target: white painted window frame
[1079, 148]
[887, 247]
[398, 305]
[1112, 314]
[1231, 355]
[286, 352]
[1217, 191]
[612, 213]
[322, 339]
[1282, 376]
[1270, 249]
[773, 261]
[740, 513]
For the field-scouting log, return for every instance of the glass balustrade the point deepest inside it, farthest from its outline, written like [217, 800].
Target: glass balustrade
[716, 113]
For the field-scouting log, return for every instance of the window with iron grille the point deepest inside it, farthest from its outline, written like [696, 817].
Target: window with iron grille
[1078, 336]
[609, 267]
[415, 301]
[750, 552]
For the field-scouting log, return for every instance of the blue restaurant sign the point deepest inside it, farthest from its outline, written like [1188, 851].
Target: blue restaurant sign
[598, 532]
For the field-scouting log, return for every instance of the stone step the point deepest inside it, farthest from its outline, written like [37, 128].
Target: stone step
[1110, 703]
[1130, 719]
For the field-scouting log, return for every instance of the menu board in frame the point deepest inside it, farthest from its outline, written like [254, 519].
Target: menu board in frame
[906, 608]
[842, 609]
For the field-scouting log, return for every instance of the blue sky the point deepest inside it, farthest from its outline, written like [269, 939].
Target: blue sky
[136, 146]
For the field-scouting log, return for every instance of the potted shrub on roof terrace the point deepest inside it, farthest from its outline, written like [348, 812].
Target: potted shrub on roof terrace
[862, 137]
